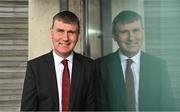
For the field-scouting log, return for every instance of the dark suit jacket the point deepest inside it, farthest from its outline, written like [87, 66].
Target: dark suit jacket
[154, 85]
[40, 86]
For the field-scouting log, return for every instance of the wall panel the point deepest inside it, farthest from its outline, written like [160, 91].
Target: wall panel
[13, 52]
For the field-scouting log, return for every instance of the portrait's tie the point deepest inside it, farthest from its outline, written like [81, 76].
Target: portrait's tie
[65, 87]
[130, 86]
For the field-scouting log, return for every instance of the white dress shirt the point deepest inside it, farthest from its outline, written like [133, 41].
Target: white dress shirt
[59, 67]
[135, 66]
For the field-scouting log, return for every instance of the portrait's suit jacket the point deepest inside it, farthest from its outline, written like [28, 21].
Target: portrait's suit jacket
[154, 85]
[40, 86]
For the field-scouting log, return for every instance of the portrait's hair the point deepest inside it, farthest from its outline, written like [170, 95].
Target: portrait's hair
[125, 17]
[67, 17]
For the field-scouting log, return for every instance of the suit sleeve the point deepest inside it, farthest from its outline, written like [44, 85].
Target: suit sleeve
[168, 101]
[29, 95]
[90, 101]
[101, 103]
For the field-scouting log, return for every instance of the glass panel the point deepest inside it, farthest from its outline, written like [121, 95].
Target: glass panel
[93, 25]
[161, 20]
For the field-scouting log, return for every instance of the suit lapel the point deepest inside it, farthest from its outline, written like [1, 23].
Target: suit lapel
[52, 79]
[76, 79]
[116, 69]
[144, 81]
[116, 83]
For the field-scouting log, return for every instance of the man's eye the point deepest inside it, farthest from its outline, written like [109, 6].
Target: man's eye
[136, 30]
[59, 30]
[72, 32]
[123, 32]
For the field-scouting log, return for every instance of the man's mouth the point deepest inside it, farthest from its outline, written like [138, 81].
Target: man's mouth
[132, 43]
[64, 44]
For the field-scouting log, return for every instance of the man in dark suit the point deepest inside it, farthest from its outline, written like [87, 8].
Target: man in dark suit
[45, 85]
[151, 87]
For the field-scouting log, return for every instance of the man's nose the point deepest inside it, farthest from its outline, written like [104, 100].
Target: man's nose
[131, 35]
[65, 36]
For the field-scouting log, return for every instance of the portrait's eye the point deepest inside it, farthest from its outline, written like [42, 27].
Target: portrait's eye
[136, 30]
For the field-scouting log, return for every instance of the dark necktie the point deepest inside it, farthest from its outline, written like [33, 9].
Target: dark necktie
[65, 87]
[130, 86]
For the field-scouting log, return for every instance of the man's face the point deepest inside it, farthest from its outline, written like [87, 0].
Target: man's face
[129, 37]
[64, 37]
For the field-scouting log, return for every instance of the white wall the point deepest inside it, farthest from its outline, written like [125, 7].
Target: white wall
[40, 19]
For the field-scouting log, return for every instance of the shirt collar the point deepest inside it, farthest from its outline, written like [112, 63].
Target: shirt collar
[58, 59]
[136, 58]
